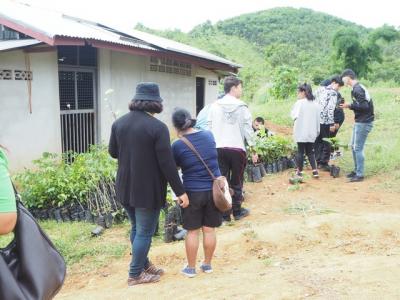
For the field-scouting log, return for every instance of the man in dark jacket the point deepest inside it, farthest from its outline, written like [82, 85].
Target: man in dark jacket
[363, 108]
[142, 146]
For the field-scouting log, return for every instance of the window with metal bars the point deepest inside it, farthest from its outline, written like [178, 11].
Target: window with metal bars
[85, 56]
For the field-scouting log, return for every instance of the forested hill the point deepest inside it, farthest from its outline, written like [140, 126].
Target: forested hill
[297, 38]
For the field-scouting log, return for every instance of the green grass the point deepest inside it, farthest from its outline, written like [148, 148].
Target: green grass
[383, 143]
[307, 208]
[74, 241]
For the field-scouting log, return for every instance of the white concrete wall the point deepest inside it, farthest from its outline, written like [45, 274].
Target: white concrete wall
[121, 72]
[28, 135]
[211, 91]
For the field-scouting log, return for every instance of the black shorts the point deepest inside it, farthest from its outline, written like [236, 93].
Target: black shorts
[201, 211]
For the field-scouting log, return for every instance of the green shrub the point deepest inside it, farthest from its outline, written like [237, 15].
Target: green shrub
[270, 148]
[284, 82]
[56, 182]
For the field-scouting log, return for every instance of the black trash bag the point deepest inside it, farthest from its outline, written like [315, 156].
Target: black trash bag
[97, 231]
[89, 218]
[284, 163]
[172, 219]
[100, 220]
[43, 214]
[180, 234]
[65, 214]
[74, 212]
[292, 163]
[279, 165]
[335, 171]
[249, 174]
[262, 170]
[108, 218]
[256, 173]
[269, 168]
[274, 167]
[57, 215]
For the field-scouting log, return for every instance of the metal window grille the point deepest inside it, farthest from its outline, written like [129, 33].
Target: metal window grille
[77, 105]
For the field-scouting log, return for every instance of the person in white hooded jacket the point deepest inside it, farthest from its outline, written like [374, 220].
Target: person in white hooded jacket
[230, 121]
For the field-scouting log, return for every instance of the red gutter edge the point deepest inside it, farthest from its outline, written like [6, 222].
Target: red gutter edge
[67, 41]
[41, 37]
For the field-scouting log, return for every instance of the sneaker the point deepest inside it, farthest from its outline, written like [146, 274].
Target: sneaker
[356, 178]
[227, 218]
[244, 212]
[351, 174]
[153, 270]
[315, 174]
[143, 278]
[206, 268]
[189, 272]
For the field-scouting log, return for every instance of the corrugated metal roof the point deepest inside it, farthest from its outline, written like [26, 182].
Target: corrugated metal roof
[15, 44]
[53, 24]
[175, 46]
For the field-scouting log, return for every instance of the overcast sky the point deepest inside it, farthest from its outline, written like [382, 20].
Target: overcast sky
[185, 14]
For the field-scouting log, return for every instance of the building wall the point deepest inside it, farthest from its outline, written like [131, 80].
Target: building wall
[121, 72]
[27, 135]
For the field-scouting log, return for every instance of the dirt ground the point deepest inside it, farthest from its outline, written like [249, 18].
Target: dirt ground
[326, 240]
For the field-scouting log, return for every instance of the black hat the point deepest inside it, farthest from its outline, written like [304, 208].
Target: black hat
[147, 91]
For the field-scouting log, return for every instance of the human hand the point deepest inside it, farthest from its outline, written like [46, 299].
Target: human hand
[337, 125]
[332, 128]
[254, 158]
[344, 105]
[183, 200]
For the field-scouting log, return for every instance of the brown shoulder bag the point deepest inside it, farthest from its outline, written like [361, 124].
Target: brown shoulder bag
[221, 192]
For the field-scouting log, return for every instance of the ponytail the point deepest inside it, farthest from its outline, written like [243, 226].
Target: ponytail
[306, 88]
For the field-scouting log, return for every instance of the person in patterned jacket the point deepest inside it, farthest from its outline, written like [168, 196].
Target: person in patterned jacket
[326, 97]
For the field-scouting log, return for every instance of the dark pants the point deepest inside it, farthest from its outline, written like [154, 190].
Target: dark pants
[232, 163]
[308, 149]
[323, 148]
[144, 222]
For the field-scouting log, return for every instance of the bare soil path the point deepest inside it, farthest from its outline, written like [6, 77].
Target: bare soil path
[327, 240]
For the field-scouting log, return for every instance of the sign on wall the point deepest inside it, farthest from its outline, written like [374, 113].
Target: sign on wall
[7, 74]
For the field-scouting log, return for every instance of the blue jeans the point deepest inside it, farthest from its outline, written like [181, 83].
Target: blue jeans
[360, 133]
[144, 222]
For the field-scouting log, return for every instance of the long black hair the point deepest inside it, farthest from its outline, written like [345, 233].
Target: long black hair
[153, 107]
[182, 119]
[306, 88]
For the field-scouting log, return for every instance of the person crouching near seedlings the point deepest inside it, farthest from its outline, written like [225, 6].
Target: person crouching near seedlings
[201, 212]
[306, 116]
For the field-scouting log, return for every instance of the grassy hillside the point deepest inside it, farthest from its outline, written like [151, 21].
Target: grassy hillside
[301, 39]
[303, 28]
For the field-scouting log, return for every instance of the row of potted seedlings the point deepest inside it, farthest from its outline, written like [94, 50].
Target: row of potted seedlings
[255, 172]
[79, 213]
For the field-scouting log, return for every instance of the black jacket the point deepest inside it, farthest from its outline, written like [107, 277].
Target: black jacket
[362, 105]
[338, 114]
[141, 143]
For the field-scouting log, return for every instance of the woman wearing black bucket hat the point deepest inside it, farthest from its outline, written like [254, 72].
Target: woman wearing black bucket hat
[141, 143]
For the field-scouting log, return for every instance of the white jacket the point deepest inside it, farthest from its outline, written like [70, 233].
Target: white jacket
[230, 121]
[306, 116]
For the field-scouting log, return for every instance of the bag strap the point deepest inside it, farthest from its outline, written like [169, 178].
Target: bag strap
[191, 147]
